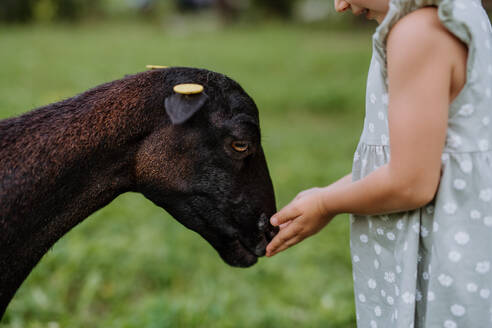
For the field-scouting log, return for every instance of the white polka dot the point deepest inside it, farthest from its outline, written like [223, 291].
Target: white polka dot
[390, 300]
[425, 275]
[487, 221]
[418, 296]
[484, 293]
[380, 231]
[371, 127]
[466, 110]
[371, 283]
[486, 119]
[377, 311]
[454, 141]
[416, 227]
[356, 259]
[458, 310]
[459, 184]
[389, 276]
[429, 209]
[475, 214]
[381, 115]
[364, 238]
[390, 236]
[471, 287]
[399, 225]
[483, 145]
[372, 98]
[444, 157]
[424, 232]
[384, 139]
[482, 267]
[430, 296]
[376, 264]
[383, 293]
[454, 256]
[445, 280]
[408, 298]
[486, 194]
[450, 208]
[466, 166]
[398, 269]
[373, 324]
[377, 248]
[462, 238]
[450, 324]
[362, 298]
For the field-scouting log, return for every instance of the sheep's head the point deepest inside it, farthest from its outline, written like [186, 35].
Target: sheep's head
[205, 165]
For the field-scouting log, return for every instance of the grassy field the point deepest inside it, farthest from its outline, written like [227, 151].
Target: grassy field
[132, 265]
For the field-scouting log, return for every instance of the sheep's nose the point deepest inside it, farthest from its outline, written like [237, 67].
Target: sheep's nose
[262, 222]
[264, 226]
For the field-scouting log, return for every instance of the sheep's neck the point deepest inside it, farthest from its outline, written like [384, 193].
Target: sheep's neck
[69, 159]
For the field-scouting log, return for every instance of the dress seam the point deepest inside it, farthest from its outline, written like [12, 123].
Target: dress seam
[444, 151]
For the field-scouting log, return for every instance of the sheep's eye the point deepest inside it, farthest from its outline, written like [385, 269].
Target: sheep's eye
[240, 146]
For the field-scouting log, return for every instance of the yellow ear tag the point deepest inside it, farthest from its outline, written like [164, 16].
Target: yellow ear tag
[155, 66]
[188, 89]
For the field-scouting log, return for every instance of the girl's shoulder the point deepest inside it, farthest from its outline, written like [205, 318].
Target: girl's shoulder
[422, 34]
[421, 26]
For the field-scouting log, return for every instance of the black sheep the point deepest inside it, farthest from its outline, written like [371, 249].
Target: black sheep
[197, 156]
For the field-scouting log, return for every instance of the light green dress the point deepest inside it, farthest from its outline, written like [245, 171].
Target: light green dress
[431, 267]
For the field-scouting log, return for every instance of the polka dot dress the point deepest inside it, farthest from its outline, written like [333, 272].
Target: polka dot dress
[431, 267]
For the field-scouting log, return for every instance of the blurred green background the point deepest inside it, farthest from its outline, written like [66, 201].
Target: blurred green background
[132, 265]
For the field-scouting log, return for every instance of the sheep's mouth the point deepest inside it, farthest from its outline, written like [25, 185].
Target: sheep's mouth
[232, 247]
[238, 255]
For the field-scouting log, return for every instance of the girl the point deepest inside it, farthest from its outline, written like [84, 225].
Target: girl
[421, 229]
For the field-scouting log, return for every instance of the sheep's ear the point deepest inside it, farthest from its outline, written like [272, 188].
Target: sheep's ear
[180, 108]
[186, 101]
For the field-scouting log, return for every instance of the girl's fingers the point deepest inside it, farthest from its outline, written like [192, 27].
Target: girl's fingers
[288, 213]
[283, 225]
[283, 238]
[288, 243]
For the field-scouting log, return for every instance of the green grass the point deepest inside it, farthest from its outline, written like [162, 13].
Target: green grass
[132, 265]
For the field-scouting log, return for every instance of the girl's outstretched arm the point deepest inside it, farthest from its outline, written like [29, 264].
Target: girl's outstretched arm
[423, 61]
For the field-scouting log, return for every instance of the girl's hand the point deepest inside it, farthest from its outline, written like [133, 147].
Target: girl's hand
[301, 218]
